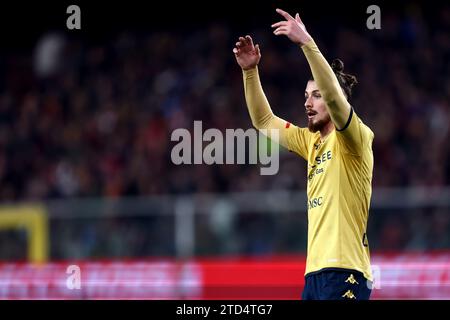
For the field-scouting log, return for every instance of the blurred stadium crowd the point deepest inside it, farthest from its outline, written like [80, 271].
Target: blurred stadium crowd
[95, 120]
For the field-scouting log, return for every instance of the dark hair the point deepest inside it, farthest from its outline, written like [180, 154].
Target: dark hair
[346, 81]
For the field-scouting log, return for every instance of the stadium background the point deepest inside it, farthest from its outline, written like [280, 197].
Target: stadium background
[85, 171]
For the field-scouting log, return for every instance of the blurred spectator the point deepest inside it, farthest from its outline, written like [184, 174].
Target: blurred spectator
[100, 124]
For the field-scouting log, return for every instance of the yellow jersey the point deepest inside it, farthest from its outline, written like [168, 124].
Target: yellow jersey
[339, 172]
[339, 190]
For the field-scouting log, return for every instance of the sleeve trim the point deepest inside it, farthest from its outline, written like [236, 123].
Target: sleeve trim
[348, 121]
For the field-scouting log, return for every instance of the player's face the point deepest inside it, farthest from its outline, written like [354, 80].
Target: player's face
[316, 111]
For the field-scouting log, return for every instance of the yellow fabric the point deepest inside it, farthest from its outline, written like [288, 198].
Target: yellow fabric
[339, 171]
[339, 191]
[259, 108]
[340, 175]
[329, 87]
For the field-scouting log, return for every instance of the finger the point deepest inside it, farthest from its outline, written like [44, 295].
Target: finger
[297, 18]
[279, 24]
[258, 52]
[280, 31]
[235, 51]
[242, 40]
[249, 40]
[286, 15]
[239, 44]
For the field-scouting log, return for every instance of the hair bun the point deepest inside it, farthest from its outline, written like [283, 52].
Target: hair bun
[337, 65]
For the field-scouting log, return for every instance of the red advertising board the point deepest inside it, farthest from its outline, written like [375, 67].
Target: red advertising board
[397, 276]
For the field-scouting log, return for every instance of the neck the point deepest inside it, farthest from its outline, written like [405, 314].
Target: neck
[326, 130]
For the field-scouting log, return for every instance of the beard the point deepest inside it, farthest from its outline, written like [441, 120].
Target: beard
[314, 126]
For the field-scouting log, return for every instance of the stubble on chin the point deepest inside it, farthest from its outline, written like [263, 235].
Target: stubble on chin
[315, 126]
[318, 125]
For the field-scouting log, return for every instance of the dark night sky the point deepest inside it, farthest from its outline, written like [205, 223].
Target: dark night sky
[21, 22]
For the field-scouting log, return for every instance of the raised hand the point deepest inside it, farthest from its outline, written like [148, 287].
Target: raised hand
[247, 55]
[294, 29]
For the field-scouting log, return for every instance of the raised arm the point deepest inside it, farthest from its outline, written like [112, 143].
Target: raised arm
[247, 56]
[336, 102]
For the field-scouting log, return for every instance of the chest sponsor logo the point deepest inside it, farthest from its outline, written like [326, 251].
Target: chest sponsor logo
[315, 202]
[314, 173]
[324, 157]
[314, 170]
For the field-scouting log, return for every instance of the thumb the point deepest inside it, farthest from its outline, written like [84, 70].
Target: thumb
[297, 18]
